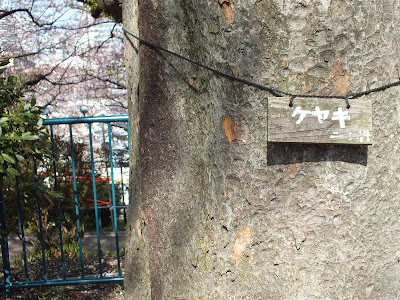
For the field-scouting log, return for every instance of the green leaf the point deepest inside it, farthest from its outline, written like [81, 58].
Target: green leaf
[55, 194]
[28, 136]
[8, 158]
[40, 123]
[12, 172]
[33, 101]
[20, 157]
[32, 138]
[3, 120]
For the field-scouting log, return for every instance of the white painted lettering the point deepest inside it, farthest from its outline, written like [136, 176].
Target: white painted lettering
[320, 114]
[302, 114]
[336, 135]
[364, 134]
[341, 116]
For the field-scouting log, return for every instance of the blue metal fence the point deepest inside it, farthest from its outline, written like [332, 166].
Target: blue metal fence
[25, 203]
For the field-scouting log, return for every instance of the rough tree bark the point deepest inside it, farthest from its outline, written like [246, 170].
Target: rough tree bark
[210, 219]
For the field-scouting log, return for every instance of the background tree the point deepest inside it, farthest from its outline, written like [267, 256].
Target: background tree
[210, 219]
[66, 55]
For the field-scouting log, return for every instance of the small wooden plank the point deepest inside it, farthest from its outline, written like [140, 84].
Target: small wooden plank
[322, 121]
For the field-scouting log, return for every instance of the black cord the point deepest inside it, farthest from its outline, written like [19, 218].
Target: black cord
[347, 102]
[272, 90]
[291, 101]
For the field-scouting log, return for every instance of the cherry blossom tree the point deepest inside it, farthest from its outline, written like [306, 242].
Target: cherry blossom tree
[70, 52]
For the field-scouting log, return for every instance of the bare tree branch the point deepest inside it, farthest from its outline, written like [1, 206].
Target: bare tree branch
[52, 47]
[10, 12]
[118, 84]
[110, 37]
[44, 76]
[66, 52]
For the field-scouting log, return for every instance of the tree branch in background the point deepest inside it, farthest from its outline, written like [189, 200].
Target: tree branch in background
[111, 8]
[65, 54]
[25, 10]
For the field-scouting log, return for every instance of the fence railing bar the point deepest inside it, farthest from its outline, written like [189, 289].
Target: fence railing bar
[128, 131]
[122, 190]
[21, 227]
[4, 244]
[119, 118]
[39, 210]
[106, 164]
[64, 282]
[129, 155]
[58, 203]
[107, 207]
[113, 198]
[95, 201]
[78, 223]
[28, 278]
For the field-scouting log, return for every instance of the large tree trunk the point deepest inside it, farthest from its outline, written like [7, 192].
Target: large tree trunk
[210, 219]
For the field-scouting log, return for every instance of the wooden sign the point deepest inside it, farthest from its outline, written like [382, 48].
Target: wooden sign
[324, 121]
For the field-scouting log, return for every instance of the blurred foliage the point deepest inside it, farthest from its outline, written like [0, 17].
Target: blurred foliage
[20, 125]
